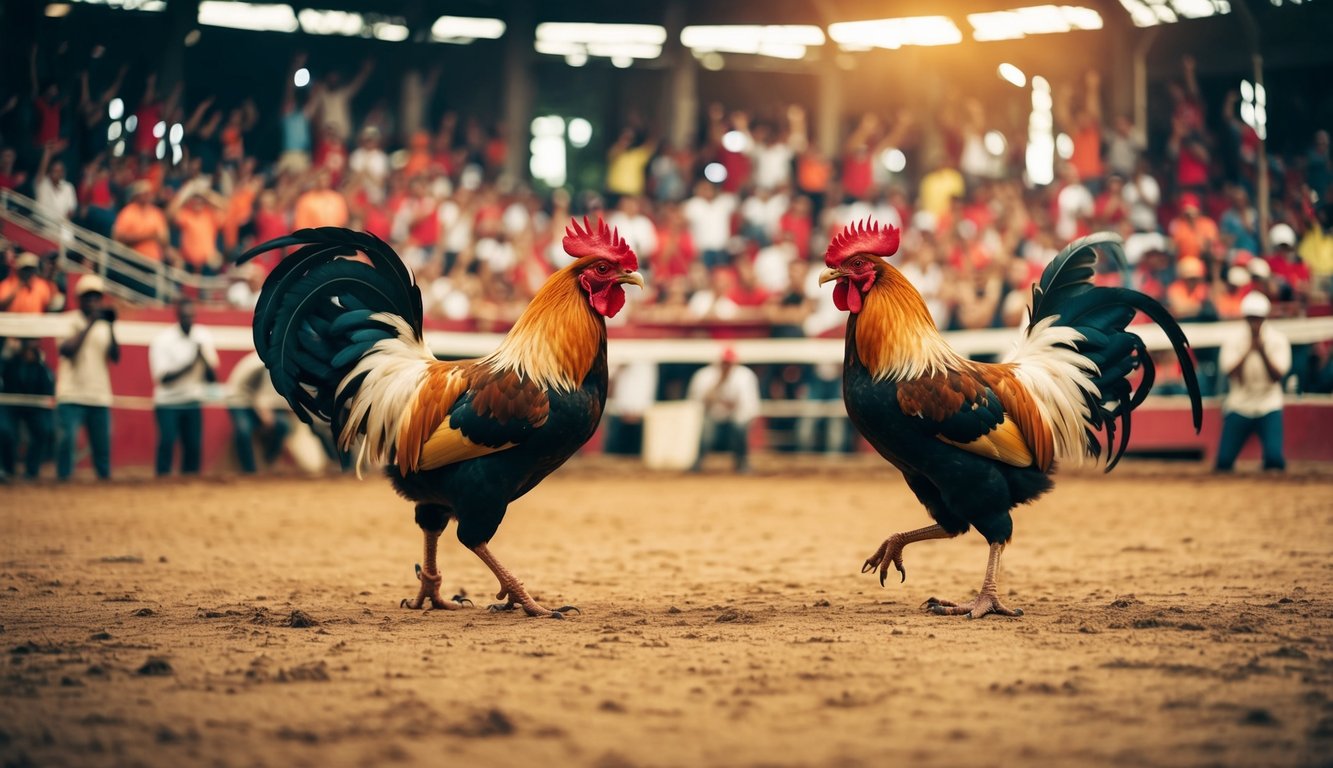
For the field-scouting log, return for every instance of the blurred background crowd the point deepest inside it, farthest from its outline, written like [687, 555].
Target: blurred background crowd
[730, 227]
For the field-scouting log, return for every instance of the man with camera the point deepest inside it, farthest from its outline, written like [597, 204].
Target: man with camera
[183, 362]
[83, 382]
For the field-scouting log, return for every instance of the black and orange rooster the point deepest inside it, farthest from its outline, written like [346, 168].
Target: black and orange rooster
[974, 440]
[342, 339]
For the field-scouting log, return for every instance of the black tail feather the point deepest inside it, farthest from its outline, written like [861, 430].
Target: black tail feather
[1102, 314]
[314, 319]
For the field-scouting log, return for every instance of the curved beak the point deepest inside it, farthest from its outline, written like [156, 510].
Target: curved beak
[830, 275]
[633, 278]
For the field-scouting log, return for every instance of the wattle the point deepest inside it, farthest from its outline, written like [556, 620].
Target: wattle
[846, 299]
[609, 300]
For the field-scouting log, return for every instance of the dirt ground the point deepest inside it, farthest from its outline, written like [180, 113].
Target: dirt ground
[1172, 619]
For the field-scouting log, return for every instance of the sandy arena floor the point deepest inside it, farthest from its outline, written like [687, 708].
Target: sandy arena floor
[1171, 620]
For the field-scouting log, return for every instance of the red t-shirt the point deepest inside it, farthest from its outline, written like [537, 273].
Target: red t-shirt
[1293, 273]
[48, 121]
[149, 115]
[857, 175]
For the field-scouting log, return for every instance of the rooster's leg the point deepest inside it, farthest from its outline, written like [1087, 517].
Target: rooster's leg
[988, 601]
[430, 578]
[891, 551]
[512, 591]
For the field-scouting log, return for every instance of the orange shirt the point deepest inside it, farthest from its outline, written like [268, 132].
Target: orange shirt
[239, 211]
[320, 208]
[1087, 156]
[1191, 240]
[199, 234]
[32, 298]
[143, 228]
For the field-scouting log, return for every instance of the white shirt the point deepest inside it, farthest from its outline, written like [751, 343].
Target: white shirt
[86, 379]
[772, 165]
[371, 163]
[56, 200]
[710, 221]
[1253, 394]
[633, 389]
[765, 214]
[735, 400]
[1142, 194]
[249, 385]
[639, 232]
[1074, 202]
[170, 351]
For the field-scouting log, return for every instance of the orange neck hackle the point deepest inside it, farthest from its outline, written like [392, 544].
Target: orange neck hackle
[557, 338]
[896, 337]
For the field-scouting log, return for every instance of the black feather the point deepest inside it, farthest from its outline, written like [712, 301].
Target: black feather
[1102, 315]
[313, 320]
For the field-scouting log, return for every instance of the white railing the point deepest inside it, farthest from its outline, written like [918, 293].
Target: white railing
[129, 275]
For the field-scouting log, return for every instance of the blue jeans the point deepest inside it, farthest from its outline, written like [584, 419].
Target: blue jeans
[244, 425]
[733, 436]
[97, 420]
[1236, 429]
[182, 423]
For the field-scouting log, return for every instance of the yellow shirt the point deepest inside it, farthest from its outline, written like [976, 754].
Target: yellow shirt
[1316, 250]
[625, 174]
[938, 189]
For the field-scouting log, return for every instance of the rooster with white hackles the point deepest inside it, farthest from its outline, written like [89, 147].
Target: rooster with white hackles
[342, 337]
[974, 440]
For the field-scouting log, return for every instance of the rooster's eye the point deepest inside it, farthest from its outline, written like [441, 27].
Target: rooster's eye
[602, 268]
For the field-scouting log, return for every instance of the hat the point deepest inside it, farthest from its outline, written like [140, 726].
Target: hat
[1189, 200]
[1238, 276]
[1282, 234]
[1189, 267]
[1255, 304]
[729, 354]
[27, 260]
[1260, 269]
[89, 284]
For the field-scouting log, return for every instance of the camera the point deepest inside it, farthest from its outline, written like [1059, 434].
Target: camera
[109, 314]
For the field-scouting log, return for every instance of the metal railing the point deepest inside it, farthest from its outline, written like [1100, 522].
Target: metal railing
[129, 275]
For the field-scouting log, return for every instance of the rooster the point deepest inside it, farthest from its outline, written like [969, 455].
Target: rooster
[341, 335]
[974, 440]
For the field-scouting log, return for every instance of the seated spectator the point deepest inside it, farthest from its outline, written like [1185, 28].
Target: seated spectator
[1240, 222]
[26, 291]
[709, 215]
[1189, 297]
[1191, 231]
[1292, 274]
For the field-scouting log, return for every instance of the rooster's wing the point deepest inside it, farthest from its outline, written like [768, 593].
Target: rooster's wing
[981, 409]
[467, 410]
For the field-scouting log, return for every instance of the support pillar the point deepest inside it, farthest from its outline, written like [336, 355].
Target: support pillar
[517, 98]
[828, 109]
[683, 100]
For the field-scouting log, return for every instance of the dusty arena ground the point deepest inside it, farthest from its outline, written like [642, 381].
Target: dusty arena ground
[1172, 619]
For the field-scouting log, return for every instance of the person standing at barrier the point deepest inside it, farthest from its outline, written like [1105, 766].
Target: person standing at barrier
[183, 361]
[26, 374]
[729, 394]
[25, 290]
[1255, 360]
[83, 379]
[256, 408]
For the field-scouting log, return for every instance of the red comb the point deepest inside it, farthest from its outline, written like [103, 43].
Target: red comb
[605, 242]
[865, 236]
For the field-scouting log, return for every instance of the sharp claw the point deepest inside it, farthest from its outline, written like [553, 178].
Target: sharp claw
[461, 600]
[882, 575]
[567, 608]
[868, 567]
[403, 603]
[556, 615]
[938, 610]
[418, 571]
[902, 571]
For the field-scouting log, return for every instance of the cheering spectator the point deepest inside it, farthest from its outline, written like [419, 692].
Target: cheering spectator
[1255, 360]
[335, 100]
[257, 410]
[197, 212]
[55, 195]
[322, 205]
[1292, 274]
[709, 216]
[83, 380]
[182, 361]
[1191, 231]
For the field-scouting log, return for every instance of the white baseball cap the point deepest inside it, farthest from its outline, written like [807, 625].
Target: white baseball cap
[1255, 304]
[1282, 234]
[89, 284]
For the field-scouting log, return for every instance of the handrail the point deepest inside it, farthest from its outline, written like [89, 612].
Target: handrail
[122, 267]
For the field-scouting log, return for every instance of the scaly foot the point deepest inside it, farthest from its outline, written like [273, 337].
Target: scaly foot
[890, 552]
[515, 599]
[430, 591]
[981, 605]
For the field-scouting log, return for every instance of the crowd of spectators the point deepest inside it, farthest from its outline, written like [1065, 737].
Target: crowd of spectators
[730, 230]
